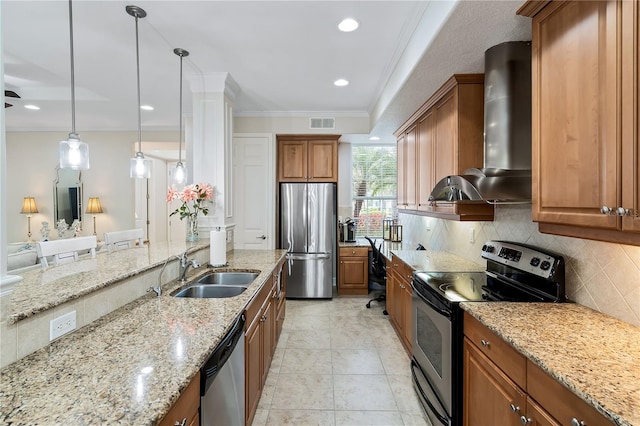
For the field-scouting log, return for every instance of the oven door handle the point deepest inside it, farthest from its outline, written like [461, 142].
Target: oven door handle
[438, 309]
[440, 417]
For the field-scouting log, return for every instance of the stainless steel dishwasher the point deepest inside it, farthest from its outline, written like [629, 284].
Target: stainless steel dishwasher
[222, 382]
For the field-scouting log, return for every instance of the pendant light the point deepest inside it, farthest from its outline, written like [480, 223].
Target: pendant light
[180, 172]
[139, 167]
[74, 154]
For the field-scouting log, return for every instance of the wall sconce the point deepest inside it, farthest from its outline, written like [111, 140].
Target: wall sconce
[94, 207]
[386, 229]
[396, 233]
[29, 207]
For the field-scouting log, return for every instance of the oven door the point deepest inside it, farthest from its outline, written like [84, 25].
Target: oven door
[432, 351]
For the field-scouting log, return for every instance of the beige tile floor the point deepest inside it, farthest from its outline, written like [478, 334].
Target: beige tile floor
[338, 363]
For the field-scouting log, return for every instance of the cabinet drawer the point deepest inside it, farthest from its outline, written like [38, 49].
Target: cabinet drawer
[354, 251]
[403, 270]
[559, 401]
[509, 360]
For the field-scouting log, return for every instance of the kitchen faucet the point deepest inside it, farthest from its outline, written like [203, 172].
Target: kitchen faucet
[184, 265]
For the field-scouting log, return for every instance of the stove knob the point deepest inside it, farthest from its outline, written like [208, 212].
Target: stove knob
[488, 249]
[545, 265]
[535, 261]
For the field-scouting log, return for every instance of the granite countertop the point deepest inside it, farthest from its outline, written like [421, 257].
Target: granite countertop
[594, 355]
[43, 289]
[129, 366]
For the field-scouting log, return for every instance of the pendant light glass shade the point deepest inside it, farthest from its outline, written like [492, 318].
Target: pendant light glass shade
[74, 154]
[179, 172]
[139, 167]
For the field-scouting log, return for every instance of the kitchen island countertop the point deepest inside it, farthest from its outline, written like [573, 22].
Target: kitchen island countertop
[595, 356]
[130, 366]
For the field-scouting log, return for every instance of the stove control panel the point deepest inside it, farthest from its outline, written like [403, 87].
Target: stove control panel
[523, 257]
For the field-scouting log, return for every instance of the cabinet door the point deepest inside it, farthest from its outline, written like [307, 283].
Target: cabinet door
[425, 149]
[323, 161]
[576, 98]
[186, 408]
[407, 314]
[391, 294]
[410, 169]
[489, 396]
[446, 142]
[252, 368]
[402, 186]
[292, 161]
[354, 274]
[631, 115]
[268, 330]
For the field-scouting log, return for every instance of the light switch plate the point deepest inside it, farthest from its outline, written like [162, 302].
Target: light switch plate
[62, 325]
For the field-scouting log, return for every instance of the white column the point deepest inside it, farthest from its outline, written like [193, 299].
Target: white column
[210, 153]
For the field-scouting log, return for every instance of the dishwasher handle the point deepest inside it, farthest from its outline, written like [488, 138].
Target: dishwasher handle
[221, 354]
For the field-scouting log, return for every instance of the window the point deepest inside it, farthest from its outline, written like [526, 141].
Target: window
[373, 181]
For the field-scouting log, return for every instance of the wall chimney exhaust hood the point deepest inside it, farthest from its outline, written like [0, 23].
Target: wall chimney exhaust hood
[506, 176]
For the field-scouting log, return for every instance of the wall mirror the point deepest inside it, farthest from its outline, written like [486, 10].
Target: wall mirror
[67, 196]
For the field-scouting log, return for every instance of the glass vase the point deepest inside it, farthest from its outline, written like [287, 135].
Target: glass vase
[192, 228]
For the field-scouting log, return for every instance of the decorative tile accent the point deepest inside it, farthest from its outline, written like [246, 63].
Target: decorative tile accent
[603, 276]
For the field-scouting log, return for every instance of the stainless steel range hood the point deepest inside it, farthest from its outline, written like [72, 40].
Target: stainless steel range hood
[506, 176]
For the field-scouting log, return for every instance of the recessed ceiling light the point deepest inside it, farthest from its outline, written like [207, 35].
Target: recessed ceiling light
[33, 107]
[341, 82]
[146, 107]
[347, 25]
[374, 138]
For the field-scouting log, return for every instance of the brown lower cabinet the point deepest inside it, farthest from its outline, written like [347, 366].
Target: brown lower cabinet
[186, 410]
[262, 316]
[502, 387]
[353, 273]
[399, 299]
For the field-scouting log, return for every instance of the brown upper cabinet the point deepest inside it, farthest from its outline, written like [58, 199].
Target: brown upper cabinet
[443, 137]
[308, 158]
[585, 124]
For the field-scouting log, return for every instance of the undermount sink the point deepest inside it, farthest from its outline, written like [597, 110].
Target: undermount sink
[231, 278]
[205, 291]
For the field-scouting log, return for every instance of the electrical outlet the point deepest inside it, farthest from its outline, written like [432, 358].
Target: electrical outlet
[62, 325]
[428, 225]
[472, 235]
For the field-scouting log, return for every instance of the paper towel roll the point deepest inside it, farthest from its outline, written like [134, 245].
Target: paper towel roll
[218, 247]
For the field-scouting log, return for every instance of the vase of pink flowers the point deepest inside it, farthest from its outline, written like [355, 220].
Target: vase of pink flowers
[194, 200]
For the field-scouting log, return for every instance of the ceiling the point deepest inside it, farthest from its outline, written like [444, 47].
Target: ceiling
[284, 56]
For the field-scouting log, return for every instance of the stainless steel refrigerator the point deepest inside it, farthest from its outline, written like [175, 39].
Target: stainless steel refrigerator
[308, 232]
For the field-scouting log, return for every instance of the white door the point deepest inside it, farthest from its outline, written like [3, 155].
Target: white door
[254, 191]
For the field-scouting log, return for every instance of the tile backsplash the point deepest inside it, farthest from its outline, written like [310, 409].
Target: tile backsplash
[602, 276]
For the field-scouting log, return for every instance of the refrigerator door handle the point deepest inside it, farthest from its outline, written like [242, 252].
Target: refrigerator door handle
[292, 256]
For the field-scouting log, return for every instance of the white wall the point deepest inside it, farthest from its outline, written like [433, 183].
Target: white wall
[602, 276]
[32, 158]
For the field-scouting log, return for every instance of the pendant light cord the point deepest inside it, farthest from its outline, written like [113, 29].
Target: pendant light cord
[73, 89]
[138, 77]
[180, 134]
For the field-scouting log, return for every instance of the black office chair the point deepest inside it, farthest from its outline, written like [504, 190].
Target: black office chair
[377, 274]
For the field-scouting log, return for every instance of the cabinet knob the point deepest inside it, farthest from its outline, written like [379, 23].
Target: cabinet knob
[606, 210]
[525, 420]
[514, 408]
[576, 422]
[484, 343]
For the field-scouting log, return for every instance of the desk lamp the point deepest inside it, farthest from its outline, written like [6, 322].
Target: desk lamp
[94, 207]
[29, 207]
